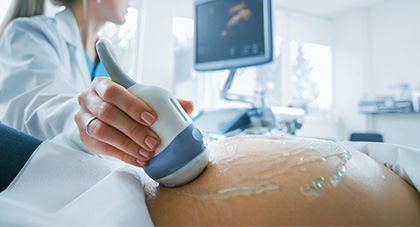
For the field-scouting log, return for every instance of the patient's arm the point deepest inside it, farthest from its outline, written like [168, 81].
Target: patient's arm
[283, 181]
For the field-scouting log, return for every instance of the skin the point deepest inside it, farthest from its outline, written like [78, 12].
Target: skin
[121, 129]
[113, 11]
[368, 194]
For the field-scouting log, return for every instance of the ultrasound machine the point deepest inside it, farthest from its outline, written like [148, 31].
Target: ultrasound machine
[232, 34]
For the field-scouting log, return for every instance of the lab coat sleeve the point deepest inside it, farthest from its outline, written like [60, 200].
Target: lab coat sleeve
[35, 96]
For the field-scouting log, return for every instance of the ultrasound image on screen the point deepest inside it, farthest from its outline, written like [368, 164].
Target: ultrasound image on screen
[229, 29]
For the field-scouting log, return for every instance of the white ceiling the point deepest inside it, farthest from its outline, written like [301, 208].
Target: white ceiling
[325, 8]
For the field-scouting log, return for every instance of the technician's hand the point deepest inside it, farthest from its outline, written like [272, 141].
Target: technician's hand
[114, 122]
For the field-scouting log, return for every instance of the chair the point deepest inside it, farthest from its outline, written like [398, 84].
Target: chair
[366, 137]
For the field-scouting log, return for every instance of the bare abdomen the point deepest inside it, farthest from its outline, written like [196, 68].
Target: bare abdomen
[256, 180]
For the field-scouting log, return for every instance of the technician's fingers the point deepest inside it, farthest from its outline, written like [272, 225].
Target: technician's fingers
[187, 105]
[107, 140]
[116, 153]
[117, 95]
[113, 116]
[122, 122]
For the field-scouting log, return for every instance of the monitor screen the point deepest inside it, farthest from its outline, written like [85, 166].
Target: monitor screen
[231, 34]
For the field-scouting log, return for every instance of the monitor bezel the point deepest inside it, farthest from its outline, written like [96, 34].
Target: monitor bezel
[238, 62]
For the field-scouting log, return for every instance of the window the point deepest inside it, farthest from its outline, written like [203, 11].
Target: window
[307, 69]
[311, 77]
[4, 6]
[123, 42]
[299, 76]
[183, 29]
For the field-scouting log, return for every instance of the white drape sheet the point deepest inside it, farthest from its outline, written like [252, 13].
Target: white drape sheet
[61, 186]
[403, 160]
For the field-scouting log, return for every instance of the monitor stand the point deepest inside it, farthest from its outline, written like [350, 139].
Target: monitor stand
[260, 119]
[255, 120]
[256, 101]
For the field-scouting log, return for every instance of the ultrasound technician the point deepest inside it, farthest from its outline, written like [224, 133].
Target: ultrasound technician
[50, 71]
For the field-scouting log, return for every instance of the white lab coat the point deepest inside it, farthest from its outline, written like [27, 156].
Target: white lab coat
[42, 70]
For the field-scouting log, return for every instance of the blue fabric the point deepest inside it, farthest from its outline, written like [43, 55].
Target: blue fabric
[15, 150]
[98, 71]
[366, 137]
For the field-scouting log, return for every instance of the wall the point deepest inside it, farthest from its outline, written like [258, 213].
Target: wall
[373, 51]
[155, 49]
[155, 65]
[395, 44]
[4, 6]
[350, 72]
[395, 50]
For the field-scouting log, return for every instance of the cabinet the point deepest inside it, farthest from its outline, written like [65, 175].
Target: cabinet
[398, 128]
